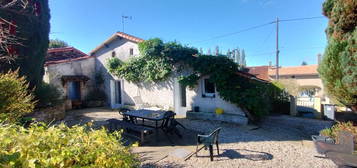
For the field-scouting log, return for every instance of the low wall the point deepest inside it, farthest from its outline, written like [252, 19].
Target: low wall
[229, 118]
[50, 114]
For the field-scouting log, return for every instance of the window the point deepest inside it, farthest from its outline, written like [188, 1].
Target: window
[113, 54]
[209, 89]
[131, 51]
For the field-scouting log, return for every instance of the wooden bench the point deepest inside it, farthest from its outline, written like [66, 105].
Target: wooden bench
[128, 127]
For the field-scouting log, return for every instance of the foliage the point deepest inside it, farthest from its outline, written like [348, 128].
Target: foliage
[340, 126]
[339, 65]
[15, 99]
[303, 63]
[96, 95]
[159, 60]
[61, 146]
[47, 95]
[32, 23]
[56, 43]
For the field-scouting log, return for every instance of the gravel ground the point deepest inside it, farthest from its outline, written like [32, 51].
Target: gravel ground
[280, 141]
[280, 144]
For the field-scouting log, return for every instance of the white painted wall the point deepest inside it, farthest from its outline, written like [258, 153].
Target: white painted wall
[206, 104]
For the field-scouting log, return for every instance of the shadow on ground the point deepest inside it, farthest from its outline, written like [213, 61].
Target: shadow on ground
[272, 129]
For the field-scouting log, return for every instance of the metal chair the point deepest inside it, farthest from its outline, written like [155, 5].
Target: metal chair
[208, 141]
[122, 112]
[169, 125]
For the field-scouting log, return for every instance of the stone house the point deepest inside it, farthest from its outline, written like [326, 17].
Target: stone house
[72, 72]
[167, 95]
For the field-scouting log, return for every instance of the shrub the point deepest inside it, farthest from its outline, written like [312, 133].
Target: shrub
[338, 68]
[15, 99]
[61, 146]
[47, 95]
[340, 126]
[96, 95]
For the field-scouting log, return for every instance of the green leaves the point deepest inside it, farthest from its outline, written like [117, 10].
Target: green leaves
[15, 99]
[158, 60]
[61, 146]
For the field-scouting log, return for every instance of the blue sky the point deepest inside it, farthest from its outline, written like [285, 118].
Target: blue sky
[85, 24]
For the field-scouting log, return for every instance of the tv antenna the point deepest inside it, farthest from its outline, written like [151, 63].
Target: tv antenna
[123, 17]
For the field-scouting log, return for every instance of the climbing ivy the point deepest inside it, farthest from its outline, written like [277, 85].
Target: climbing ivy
[159, 60]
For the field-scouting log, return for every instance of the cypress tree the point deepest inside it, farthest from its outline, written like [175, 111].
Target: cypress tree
[338, 68]
[31, 30]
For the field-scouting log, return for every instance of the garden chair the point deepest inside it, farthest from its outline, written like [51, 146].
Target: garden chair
[208, 141]
[122, 112]
[169, 125]
[139, 103]
[342, 153]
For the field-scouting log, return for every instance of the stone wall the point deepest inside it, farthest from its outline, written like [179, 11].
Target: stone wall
[50, 114]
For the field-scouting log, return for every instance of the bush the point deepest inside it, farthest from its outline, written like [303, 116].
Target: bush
[96, 95]
[47, 95]
[15, 99]
[340, 126]
[61, 146]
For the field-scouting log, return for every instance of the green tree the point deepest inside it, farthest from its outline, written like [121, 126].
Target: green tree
[303, 63]
[30, 31]
[338, 69]
[243, 61]
[56, 43]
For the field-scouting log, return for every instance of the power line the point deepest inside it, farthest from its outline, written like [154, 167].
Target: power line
[237, 32]
[299, 19]
[259, 26]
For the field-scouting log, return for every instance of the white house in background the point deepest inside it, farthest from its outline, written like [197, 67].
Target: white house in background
[168, 95]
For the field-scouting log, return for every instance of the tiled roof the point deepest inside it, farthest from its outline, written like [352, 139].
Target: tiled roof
[115, 36]
[61, 55]
[260, 72]
[296, 70]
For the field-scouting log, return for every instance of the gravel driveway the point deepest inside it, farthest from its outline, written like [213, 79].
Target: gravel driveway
[279, 141]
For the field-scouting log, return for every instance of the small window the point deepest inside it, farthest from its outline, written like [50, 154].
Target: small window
[113, 54]
[209, 89]
[131, 51]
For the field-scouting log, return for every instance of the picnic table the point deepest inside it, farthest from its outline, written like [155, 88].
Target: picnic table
[144, 114]
[159, 117]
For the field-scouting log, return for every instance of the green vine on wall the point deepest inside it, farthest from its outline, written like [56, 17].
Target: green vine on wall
[159, 60]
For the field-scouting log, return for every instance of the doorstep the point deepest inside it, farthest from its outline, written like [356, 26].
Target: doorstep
[229, 118]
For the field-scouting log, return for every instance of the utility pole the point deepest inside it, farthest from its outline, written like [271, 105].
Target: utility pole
[277, 49]
[123, 20]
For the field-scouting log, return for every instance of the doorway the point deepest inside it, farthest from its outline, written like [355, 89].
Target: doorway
[180, 98]
[116, 93]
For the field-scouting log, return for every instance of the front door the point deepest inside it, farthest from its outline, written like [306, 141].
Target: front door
[115, 93]
[180, 98]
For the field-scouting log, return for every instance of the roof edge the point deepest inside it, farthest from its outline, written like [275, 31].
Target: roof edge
[115, 36]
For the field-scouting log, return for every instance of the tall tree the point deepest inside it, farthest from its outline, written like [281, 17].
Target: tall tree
[201, 51]
[237, 56]
[243, 61]
[216, 51]
[303, 63]
[56, 43]
[229, 54]
[338, 68]
[28, 23]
